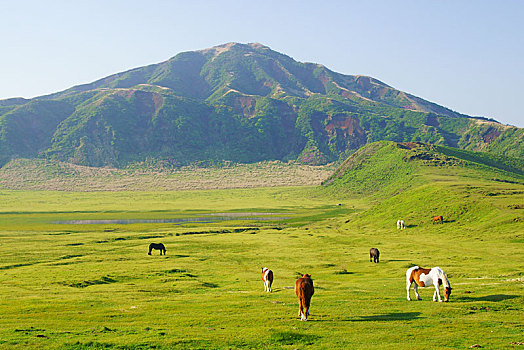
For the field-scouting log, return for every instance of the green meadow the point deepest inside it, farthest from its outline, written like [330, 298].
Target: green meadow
[93, 286]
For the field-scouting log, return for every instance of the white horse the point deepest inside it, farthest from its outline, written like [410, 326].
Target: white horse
[425, 278]
[400, 224]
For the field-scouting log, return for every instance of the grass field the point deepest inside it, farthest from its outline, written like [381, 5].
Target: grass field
[94, 286]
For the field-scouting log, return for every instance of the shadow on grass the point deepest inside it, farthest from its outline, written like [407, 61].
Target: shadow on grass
[15, 266]
[394, 316]
[411, 226]
[293, 338]
[494, 297]
[396, 260]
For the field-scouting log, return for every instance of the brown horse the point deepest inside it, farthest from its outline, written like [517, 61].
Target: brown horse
[438, 218]
[374, 255]
[304, 290]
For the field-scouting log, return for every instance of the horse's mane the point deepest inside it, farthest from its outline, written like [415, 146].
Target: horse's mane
[443, 277]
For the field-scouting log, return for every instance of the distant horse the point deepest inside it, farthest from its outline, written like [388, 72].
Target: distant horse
[267, 277]
[438, 218]
[304, 290]
[157, 246]
[400, 224]
[425, 278]
[374, 254]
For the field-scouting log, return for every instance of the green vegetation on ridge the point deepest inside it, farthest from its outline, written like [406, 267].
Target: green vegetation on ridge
[387, 168]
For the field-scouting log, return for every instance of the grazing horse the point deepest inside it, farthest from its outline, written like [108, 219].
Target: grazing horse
[438, 218]
[304, 290]
[374, 254]
[400, 224]
[267, 277]
[158, 246]
[425, 278]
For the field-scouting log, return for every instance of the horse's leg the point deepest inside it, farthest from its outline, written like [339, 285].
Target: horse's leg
[308, 306]
[265, 286]
[408, 286]
[415, 288]
[269, 283]
[437, 293]
[370, 257]
[306, 311]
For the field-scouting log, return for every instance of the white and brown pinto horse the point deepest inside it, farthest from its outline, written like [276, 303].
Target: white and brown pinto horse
[267, 277]
[400, 224]
[425, 278]
[304, 290]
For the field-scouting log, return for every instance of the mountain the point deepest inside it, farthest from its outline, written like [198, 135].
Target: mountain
[236, 102]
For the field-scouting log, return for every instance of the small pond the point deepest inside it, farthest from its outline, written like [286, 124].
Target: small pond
[207, 218]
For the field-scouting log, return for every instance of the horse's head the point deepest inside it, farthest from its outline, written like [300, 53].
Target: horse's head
[306, 275]
[447, 293]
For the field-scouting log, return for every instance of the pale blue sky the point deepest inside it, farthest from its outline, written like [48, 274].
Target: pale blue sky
[465, 55]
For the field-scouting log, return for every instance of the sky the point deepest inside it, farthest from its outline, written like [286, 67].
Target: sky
[466, 55]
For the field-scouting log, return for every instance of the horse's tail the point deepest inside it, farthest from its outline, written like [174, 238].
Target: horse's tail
[408, 273]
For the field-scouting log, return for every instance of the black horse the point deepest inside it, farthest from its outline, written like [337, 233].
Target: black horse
[373, 255]
[157, 246]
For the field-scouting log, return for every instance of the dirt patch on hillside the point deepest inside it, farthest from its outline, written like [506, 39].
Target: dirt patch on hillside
[491, 135]
[245, 104]
[348, 125]
[409, 145]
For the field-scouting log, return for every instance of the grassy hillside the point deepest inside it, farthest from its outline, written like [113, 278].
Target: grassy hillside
[93, 286]
[388, 168]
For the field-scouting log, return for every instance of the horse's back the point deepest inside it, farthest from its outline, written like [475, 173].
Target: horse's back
[267, 274]
[304, 287]
[410, 271]
[437, 270]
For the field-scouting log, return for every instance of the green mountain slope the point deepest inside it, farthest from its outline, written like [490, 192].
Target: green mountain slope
[415, 181]
[387, 167]
[238, 102]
